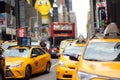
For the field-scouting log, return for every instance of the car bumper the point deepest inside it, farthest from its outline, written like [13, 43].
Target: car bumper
[74, 76]
[64, 73]
[15, 73]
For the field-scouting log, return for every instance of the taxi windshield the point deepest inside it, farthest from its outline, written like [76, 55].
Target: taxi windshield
[63, 44]
[73, 50]
[16, 52]
[103, 51]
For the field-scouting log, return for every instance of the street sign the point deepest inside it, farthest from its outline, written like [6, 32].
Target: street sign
[21, 32]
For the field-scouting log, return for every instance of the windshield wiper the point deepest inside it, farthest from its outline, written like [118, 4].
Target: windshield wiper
[117, 46]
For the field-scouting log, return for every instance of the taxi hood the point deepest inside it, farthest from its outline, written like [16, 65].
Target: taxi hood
[110, 69]
[12, 60]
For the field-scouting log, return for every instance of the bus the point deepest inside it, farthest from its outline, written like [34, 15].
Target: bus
[60, 31]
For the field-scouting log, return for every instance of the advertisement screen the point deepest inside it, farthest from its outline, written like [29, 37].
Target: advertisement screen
[26, 41]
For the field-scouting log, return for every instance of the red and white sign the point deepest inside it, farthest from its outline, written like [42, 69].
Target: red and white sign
[21, 32]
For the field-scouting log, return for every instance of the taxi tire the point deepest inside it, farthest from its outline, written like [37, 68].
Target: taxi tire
[27, 73]
[48, 67]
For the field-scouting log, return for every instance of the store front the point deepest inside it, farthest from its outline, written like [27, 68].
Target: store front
[8, 33]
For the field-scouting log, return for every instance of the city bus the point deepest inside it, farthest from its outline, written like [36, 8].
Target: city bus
[60, 31]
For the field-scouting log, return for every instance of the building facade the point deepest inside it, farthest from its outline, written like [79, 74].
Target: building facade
[102, 12]
[7, 19]
[113, 7]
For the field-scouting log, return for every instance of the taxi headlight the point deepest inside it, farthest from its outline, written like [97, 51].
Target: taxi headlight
[86, 76]
[60, 63]
[16, 65]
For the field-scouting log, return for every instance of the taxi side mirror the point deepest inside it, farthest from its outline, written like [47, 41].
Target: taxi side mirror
[34, 55]
[74, 58]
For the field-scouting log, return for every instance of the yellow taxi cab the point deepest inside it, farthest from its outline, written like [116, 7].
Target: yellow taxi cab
[2, 66]
[100, 58]
[68, 61]
[64, 43]
[6, 44]
[24, 61]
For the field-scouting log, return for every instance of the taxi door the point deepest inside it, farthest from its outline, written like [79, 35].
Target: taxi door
[34, 61]
[42, 59]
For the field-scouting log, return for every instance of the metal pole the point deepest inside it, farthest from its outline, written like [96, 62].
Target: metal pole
[17, 14]
[30, 25]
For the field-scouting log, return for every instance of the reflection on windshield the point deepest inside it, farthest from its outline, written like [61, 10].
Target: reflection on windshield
[73, 50]
[102, 51]
[16, 53]
[63, 45]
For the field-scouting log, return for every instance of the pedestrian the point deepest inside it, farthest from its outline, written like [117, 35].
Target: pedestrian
[43, 45]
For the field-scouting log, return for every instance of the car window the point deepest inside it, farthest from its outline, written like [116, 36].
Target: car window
[34, 51]
[38, 51]
[16, 52]
[73, 50]
[103, 51]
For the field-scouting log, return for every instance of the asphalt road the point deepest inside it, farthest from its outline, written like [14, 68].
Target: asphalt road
[47, 76]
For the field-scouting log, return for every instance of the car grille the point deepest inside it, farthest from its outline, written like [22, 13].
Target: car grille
[72, 67]
[8, 72]
[67, 76]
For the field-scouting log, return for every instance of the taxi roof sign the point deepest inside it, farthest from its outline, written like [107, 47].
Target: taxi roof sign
[111, 29]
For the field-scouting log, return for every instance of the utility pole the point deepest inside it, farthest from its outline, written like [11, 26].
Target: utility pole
[17, 14]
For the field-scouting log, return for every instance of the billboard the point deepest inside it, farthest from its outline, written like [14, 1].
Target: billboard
[21, 32]
[26, 41]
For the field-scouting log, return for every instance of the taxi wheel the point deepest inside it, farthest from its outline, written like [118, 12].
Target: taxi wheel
[48, 67]
[27, 73]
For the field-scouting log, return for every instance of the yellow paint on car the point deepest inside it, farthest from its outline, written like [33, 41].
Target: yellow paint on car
[17, 63]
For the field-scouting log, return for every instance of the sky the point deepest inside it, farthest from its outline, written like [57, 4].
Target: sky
[81, 8]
